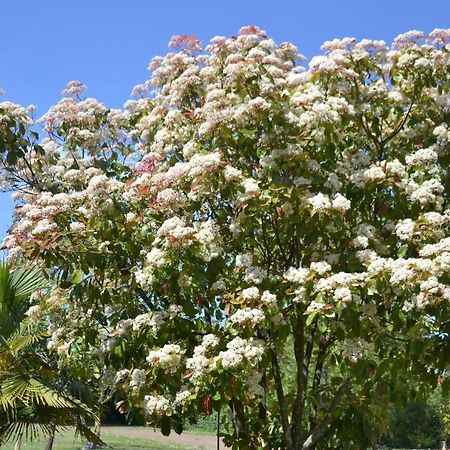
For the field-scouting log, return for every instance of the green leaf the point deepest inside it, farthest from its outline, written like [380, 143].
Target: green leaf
[311, 318]
[177, 426]
[166, 425]
[77, 277]
[402, 251]
[371, 290]
[322, 326]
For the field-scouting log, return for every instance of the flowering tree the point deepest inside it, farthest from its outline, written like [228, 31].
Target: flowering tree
[249, 234]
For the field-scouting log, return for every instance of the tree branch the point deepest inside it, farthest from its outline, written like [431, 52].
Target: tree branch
[320, 359]
[399, 127]
[302, 357]
[238, 416]
[320, 429]
[280, 245]
[281, 398]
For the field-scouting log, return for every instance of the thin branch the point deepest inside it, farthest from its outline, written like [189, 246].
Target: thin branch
[378, 145]
[400, 127]
[321, 428]
[238, 416]
[277, 237]
[302, 383]
[321, 353]
[302, 378]
[281, 398]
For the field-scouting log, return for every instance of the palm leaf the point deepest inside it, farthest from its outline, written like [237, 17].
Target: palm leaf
[16, 286]
[6, 291]
[23, 430]
[20, 341]
[29, 391]
[25, 281]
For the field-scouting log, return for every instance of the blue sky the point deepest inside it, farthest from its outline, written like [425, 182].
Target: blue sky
[108, 44]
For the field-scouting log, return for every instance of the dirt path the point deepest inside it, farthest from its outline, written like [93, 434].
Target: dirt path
[197, 441]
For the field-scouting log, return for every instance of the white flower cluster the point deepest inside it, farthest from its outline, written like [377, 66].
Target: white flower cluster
[268, 299]
[175, 231]
[315, 306]
[320, 268]
[208, 235]
[375, 173]
[255, 275]
[254, 384]
[241, 350]
[356, 349]
[247, 316]
[33, 312]
[138, 378]
[167, 357]
[250, 294]
[322, 204]
[405, 229]
[182, 396]
[121, 376]
[200, 363]
[154, 319]
[156, 257]
[199, 165]
[244, 260]
[298, 276]
[251, 189]
[339, 285]
[156, 404]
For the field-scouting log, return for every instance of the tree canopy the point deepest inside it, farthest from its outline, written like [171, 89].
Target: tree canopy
[249, 234]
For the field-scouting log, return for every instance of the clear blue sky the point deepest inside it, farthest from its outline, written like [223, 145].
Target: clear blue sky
[108, 44]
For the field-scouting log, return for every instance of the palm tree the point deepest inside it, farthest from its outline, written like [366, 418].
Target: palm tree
[35, 396]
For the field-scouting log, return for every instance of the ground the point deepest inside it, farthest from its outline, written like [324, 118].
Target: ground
[194, 440]
[132, 438]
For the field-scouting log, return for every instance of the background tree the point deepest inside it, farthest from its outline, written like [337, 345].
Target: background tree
[417, 426]
[242, 210]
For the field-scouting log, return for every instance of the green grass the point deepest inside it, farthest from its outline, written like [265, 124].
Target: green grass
[67, 441]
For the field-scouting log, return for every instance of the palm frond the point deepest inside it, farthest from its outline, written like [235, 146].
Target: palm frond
[23, 430]
[25, 281]
[16, 286]
[6, 291]
[28, 391]
[23, 338]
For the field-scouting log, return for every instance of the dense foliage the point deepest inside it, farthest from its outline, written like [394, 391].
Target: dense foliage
[243, 214]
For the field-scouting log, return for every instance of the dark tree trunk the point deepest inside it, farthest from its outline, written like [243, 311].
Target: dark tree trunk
[238, 417]
[284, 413]
[49, 443]
[50, 439]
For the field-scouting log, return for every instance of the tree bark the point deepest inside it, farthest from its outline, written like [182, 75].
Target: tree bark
[321, 428]
[238, 417]
[321, 354]
[262, 410]
[49, 443]
[302, 380]
[281, 400]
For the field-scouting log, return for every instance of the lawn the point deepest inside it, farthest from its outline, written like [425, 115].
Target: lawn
[67, 441]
